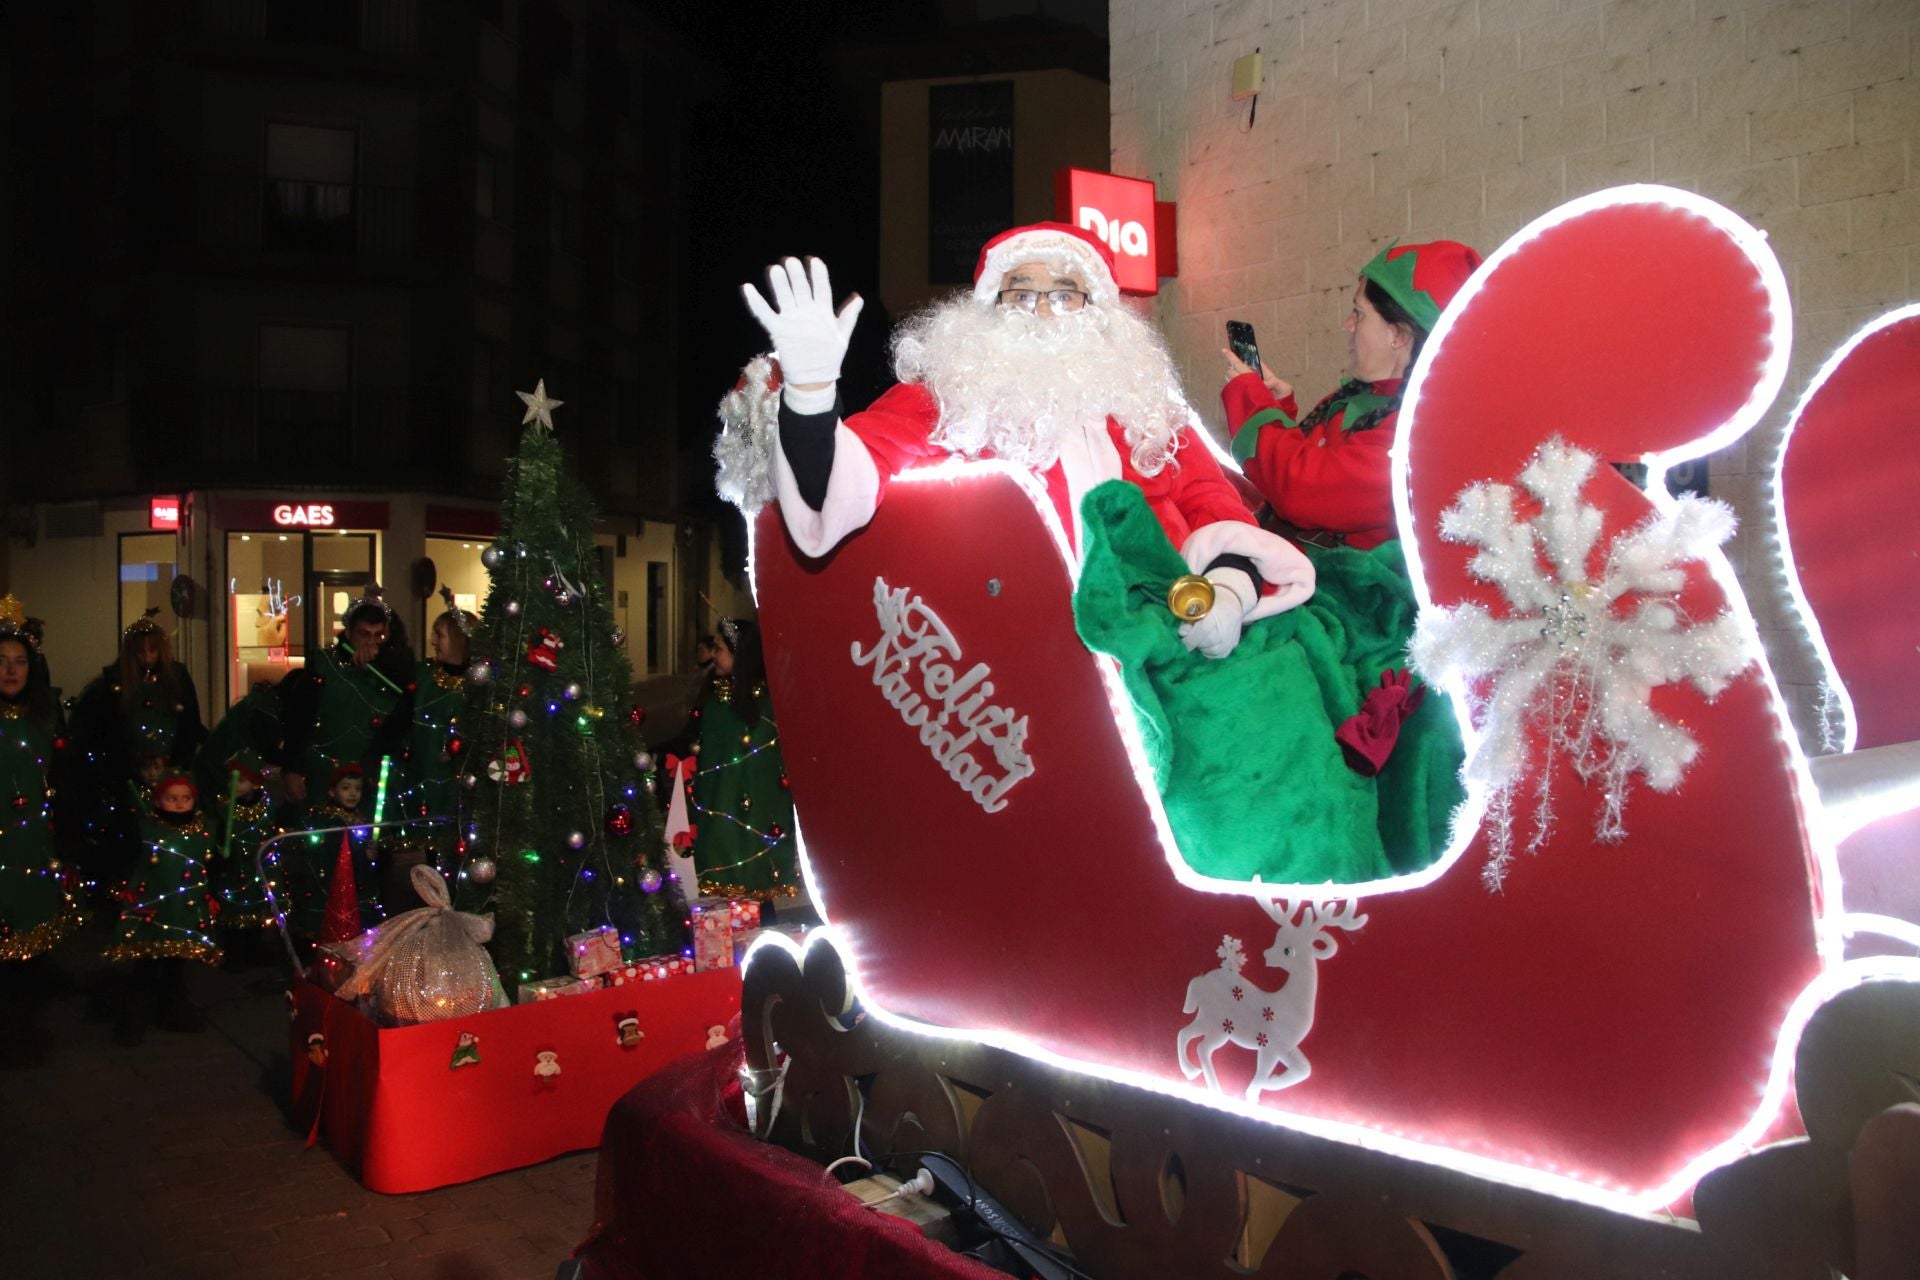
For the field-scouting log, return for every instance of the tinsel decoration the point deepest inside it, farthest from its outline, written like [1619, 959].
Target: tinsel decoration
[1575, 658]
[748, 416]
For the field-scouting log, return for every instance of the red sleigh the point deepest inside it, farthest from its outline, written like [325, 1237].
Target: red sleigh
[1615, 1022]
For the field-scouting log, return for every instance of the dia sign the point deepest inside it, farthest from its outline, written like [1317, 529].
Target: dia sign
[1122, 212]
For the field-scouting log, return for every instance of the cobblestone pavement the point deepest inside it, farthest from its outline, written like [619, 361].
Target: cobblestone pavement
[174, 1161]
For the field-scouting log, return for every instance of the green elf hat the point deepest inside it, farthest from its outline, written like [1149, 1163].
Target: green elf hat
[1422, 278]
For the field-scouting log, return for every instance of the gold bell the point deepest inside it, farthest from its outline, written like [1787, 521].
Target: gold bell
[1190, 597]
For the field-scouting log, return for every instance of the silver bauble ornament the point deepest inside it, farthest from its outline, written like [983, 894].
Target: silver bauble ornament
[571, 692]
[482, 870]
[577, 840]
[619, 637]
[517, 718]
[480, 672]
[492, 557]
[513, 608]
[643, 761]
[650, 880]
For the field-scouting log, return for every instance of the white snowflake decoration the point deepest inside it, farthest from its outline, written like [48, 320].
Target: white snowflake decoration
[1232, 959]
[1567, 658]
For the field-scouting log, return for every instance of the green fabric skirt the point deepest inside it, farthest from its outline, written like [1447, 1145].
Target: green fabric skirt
[1242, 747]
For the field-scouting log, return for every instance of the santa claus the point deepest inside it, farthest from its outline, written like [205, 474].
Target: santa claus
[1041, 366]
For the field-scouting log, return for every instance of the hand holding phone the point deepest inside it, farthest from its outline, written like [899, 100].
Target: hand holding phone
[1240, 342]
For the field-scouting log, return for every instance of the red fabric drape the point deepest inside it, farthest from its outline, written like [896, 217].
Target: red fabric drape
[685, 1190]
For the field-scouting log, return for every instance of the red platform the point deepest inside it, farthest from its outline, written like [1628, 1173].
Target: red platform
[393, 1108]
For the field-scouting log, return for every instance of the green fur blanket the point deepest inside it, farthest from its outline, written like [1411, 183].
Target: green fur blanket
[1243, 747]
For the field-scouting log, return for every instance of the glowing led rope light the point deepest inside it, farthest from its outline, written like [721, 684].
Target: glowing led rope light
[1856, 923]
[1547, 1180]
[1783, 542]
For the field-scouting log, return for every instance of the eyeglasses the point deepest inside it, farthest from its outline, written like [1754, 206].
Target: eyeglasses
[1057, 299]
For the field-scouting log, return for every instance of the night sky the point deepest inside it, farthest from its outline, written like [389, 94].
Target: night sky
[782, 158]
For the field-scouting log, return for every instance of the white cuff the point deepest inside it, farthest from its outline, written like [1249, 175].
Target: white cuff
[819, 400]
[1279, 562]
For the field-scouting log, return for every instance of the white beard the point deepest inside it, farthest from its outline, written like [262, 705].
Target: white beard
[1015, 384]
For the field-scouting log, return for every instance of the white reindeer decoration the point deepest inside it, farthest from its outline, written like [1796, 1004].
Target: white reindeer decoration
[1271, 1023]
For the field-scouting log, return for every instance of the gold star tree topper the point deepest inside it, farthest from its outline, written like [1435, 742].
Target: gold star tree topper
[539, 407]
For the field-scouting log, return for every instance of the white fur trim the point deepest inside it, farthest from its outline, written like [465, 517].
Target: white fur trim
[1280, 562]
[1049, 247]
[853, 495]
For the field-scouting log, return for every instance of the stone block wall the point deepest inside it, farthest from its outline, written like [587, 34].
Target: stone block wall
[1465, 119]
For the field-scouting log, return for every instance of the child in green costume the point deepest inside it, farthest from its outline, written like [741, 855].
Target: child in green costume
[245, 910]
[744, 846]
[169, 909]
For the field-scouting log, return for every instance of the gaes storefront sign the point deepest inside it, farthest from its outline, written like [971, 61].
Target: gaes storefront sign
[313, 515]
[322, 514]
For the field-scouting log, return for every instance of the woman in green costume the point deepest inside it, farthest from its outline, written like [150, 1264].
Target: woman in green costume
[168, 911]
[142, 704]
[743, 813]
[36, 908]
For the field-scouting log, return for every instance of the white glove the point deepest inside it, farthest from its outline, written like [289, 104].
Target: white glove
[1215, 635]
[808, 338]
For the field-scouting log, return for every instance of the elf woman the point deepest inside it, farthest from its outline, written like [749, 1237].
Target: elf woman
[744, 843]
[36, 908]
[168, 912]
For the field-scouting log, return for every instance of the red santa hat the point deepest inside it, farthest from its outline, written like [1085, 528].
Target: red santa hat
[342, 772]
[1055, 243]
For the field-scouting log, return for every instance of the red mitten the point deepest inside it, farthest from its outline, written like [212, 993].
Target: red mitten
[1368, 738]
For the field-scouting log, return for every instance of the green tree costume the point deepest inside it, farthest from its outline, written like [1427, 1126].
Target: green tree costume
[304, 866]
[237, 880]
[168, 897]
[335, 712]
[1243, 748]
[36, 910]
[742, 810]
[431, 787]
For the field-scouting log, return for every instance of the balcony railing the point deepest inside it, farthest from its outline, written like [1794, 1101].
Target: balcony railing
[293, 216]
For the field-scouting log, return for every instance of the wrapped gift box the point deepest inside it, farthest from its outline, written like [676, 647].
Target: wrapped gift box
[404, 1116]
[594, 952]
[651, 969]
[712, 933]
[745, 913]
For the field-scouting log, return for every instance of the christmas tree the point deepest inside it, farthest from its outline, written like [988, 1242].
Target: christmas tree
[559, 831]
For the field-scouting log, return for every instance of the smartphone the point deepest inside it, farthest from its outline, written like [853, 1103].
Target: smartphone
[1240, 339]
